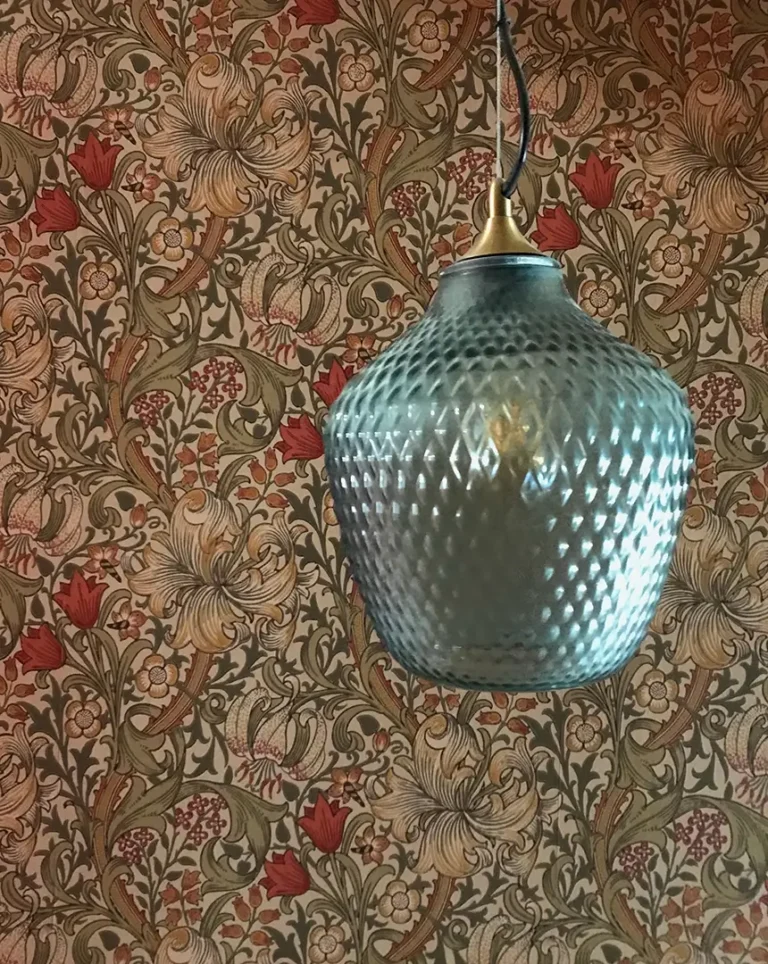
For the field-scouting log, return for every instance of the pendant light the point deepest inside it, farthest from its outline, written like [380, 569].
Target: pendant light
[509, 477]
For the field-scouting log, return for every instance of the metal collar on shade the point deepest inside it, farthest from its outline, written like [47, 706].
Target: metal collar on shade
[501, 234]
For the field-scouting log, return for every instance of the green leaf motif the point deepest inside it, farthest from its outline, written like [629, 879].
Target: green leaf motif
[14, 592]
[144, 807]
[416, 160]
[153, 310]
[159, 370]
[646, 820]
[137, 749]
[20, 156]
[265, 383]
[257, 9]
[249, 819]
[748, 831]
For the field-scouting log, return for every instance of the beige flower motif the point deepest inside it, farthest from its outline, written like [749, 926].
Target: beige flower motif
[97, 280]
[685, 954]
[356, 72]
[31, 514]
[752, 315]
[22, 796]
[618, 141]
[225, 581]
[142, 183]
[346, 784]
[598, 298]
[398, 903]
[359, 351]
[185, 946]
[485, 942]
[715, 153]
[272, 737]
[156, 677]
[82, 718]
[746, 748]
[15, 945]
[371, 846]
[641, 201]
[329, 512]
[326, 945]
[28, 360]
[102, 560]
[33, 79]
[117, 122]
[717, 591]
[285, 306]
[671, 256]
[461, 801]
[493, 943]
[172, 239]
[127, 620]
[428, 32]
[656, 692]
[583, 733]
[228, 141]
[550, 90]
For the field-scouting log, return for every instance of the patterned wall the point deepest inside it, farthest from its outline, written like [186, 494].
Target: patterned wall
[214, 213]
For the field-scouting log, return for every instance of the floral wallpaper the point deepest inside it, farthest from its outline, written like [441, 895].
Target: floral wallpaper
[212, 214]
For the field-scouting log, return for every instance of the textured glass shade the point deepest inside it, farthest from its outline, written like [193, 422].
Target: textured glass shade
[509, 478]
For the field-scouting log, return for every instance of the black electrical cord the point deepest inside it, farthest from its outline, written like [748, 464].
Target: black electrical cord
[524, 106]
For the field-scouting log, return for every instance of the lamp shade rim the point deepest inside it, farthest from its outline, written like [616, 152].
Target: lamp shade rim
[500, 261]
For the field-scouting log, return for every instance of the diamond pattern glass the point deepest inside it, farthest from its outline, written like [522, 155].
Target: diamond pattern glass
[509, 478]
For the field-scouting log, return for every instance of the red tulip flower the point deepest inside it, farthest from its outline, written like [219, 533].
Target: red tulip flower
[308, 12]
[596, 180]
[40, 650]
[81, 599]
[324, 824]
[285, 876]
[95, 160]
[55, 211]
[300, 440]
[556, 230]
[331, 382]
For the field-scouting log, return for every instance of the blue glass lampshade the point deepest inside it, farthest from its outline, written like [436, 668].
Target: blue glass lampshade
[509, 478]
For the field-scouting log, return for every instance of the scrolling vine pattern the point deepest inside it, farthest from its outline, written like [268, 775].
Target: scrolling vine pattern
[212, 214]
